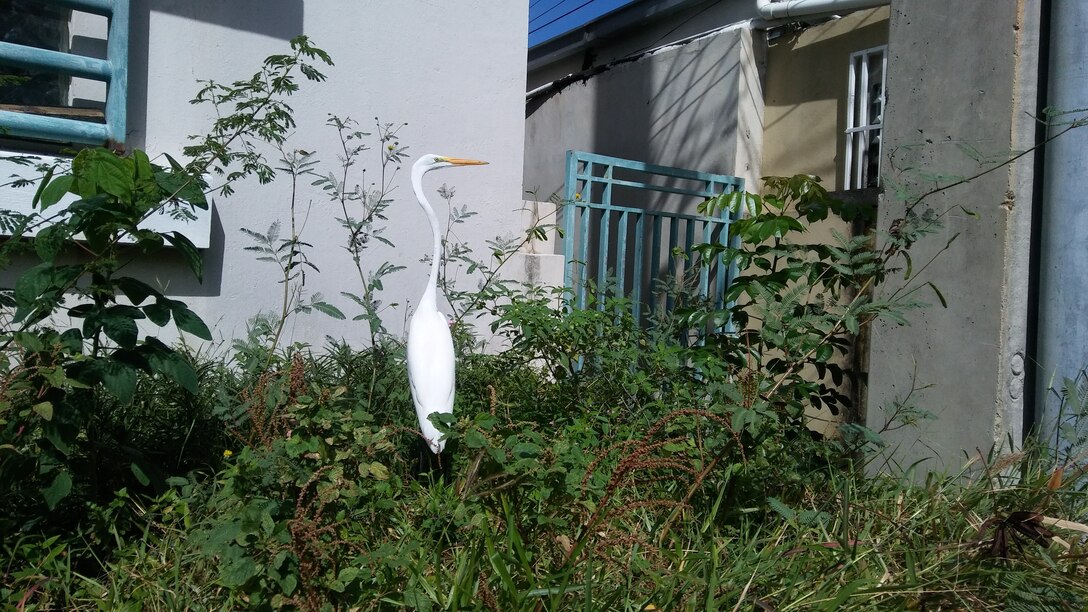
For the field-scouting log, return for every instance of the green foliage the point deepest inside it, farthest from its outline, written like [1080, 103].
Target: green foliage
[596, 462]
[796, 305]
[66, 388]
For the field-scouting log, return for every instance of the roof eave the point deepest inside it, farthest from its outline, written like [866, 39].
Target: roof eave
[609, 24]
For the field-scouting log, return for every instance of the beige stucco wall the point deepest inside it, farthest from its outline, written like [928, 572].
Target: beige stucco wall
[805, 89]
[805, 95]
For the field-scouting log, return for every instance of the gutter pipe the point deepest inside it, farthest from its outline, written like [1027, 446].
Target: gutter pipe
[785, 9]
[1062, 334]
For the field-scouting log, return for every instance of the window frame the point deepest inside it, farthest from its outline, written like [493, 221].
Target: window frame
[860, 127]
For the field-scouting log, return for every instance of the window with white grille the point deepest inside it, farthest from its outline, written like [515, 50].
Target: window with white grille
[864, 117]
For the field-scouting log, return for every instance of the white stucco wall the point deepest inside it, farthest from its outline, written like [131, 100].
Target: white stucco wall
[455, 75]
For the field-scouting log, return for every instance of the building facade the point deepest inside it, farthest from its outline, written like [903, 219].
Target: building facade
[886, 101]
[434, 70]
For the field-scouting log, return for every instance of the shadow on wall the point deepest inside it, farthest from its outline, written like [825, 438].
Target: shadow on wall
[165, 271]
[281, 19]
[679, 108]
[676, 108]
[169, 273]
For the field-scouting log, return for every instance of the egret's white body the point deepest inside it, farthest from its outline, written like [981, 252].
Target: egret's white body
[431, 363]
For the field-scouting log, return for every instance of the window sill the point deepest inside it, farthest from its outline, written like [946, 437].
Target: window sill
[18, 199]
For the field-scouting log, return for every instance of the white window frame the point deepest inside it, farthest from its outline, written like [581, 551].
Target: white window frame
[862, 129]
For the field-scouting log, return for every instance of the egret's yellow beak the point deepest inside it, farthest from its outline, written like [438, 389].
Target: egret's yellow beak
[457, 161]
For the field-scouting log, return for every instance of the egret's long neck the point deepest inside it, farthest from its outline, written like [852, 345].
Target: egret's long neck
[430, 295]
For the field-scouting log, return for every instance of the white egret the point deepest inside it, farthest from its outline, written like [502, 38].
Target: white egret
[430, 344]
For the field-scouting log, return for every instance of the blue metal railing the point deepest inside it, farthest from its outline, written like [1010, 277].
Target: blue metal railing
[629, 244]
[113, 71]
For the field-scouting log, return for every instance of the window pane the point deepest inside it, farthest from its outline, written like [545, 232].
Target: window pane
[876, 88]
[872, 160]
[29, 23]
[864, 117]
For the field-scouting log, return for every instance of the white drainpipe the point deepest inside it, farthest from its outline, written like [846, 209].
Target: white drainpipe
[784, 9]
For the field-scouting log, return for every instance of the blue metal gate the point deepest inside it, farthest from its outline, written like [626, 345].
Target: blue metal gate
[614, 236]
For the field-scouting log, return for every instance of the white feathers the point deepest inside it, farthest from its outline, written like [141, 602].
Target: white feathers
[431, 362]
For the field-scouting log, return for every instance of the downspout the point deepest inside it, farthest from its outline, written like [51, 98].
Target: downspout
[1063, 258]
[785, 9]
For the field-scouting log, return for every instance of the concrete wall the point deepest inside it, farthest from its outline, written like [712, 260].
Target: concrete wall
[456, 77]
[955, 85]
[696, 105]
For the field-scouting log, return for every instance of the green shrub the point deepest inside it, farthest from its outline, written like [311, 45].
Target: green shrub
[597, 462]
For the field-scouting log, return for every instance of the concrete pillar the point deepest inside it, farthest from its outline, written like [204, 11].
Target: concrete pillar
[1063, 256]
[959, 88]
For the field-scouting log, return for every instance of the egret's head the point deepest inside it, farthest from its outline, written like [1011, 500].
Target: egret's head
[433, 162]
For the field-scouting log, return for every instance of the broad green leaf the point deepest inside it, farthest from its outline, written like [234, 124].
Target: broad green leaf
[119, 324]
[139, 473]
[824, 352]
[72, 340]
[219, 536]
[117, 377]
[29, 341]
[40, 289]
[289, 583]
[135, 358]
[182, 186]
[44, 410]
[58, 490]
[59, 435]
[33, 282]
[174, 163]
[148, 194]
[168, 362]
[189, 251]
[159, 311]
[417, 600]
[188, 321]
[49, 242]
[55, 190]
[135, 290]
[474, 439]
[144, 169]
[526, 449]
[149, 241]
[379, 471]
[98, 171]
[237, 569]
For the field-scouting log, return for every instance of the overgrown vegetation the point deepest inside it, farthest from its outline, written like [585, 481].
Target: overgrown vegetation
[595, 463]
